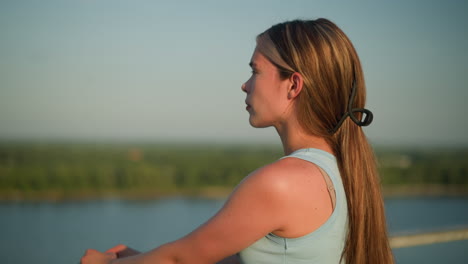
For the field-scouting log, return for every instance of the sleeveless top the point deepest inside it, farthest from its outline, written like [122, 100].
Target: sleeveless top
[323, 245]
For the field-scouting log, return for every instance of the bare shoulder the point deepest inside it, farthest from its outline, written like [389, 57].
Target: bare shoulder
[294, 187]
[284, 173]
[289, 178]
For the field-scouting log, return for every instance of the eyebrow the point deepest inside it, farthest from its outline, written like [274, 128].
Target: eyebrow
[252, 64]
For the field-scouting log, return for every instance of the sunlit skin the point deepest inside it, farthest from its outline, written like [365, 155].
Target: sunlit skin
[267, 95]
[294, 187]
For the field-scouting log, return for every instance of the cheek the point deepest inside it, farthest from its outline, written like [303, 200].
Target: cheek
[269, 108]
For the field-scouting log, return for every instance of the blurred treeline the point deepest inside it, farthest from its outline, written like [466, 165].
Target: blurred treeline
[59, 171]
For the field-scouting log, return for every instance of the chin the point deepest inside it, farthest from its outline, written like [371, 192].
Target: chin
[258, 123]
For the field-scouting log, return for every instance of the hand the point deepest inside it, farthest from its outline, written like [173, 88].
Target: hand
[234, 259]
[93, 256]
[122, 251]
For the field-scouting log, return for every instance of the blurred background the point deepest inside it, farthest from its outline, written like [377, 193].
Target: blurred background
[124, 121]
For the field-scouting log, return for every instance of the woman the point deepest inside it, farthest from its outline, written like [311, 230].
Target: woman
[321, 203]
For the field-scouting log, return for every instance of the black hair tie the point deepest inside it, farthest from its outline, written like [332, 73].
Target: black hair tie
[368, 114]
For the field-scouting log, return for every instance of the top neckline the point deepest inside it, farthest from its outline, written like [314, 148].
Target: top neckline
[313, 150]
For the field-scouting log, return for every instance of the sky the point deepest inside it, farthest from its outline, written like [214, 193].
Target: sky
[172, 70]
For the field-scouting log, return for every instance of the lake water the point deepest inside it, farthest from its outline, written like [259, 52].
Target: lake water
[52, 233]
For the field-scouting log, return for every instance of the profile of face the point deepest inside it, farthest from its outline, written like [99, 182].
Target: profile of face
[267, 94]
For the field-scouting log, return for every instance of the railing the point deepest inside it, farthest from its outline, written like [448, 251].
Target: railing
[428, 238]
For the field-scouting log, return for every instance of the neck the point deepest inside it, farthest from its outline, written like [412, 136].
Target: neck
[293, 137]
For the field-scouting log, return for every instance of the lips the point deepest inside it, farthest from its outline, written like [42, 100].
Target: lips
[248, 106]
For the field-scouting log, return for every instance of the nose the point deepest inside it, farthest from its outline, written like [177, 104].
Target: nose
[244, 87]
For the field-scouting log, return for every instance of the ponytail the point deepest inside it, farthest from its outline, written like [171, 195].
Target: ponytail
[367, 240]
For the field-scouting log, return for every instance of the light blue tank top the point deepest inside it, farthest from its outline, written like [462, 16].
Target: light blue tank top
[325, 244]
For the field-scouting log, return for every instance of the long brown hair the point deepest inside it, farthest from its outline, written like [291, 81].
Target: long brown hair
[330, 66]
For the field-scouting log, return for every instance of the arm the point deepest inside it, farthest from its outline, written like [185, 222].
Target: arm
[249, 214]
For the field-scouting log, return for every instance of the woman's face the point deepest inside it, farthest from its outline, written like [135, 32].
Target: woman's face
[267, 95]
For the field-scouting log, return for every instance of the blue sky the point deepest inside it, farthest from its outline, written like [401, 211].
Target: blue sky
[172, 70]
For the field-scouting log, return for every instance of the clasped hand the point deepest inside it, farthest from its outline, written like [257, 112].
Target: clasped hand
[93, 256]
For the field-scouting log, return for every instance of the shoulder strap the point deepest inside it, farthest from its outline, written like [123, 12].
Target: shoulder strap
[331, 189]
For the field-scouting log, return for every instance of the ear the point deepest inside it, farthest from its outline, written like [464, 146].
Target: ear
[296, 84]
